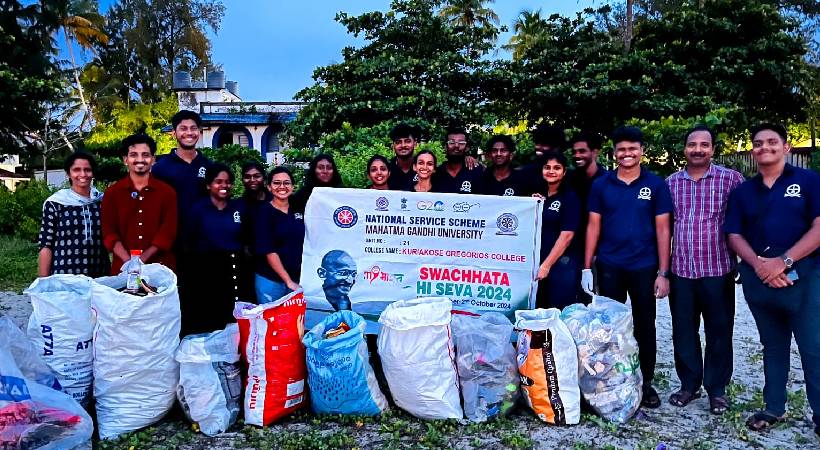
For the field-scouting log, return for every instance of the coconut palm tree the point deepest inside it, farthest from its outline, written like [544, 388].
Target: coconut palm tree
[469, 13]
[82, 24]
[530, 29]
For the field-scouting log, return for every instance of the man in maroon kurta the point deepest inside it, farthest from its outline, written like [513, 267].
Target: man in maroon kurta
[139, 212]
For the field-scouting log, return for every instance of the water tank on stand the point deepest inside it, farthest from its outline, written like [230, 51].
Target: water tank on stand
[232, 87]
[216, 80]
[182, 80]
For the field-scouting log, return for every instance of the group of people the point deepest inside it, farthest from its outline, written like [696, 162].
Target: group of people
[620, 233]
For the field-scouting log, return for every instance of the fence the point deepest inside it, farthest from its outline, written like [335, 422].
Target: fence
[744, 163]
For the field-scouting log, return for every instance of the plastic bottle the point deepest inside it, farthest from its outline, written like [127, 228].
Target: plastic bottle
[132, 284]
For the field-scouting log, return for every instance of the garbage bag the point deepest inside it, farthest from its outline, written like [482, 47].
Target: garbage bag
[135, 337]
[609, 367]
[33, 415]
[210, 382]
[548, 364]
[485, 358]
[25, 354]
[340, 378]
[61, 326]
[270, 342]
[418, 358]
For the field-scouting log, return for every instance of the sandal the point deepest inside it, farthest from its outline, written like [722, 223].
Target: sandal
[683, 398]
[718, 405]
[650, 398]
[762, 420]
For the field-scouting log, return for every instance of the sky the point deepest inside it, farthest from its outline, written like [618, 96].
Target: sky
[272, 46]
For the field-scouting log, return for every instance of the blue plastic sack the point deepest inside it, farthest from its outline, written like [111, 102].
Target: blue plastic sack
[340, 378]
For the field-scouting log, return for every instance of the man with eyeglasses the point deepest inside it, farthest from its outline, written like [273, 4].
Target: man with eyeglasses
[455, 176]
[338, 272]
[501, 179]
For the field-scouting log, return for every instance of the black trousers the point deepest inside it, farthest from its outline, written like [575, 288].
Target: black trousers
[615, 282]
[714, 299]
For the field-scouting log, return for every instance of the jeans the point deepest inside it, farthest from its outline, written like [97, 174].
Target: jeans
[268, 291]
[714, 299]
[779, 313]
[615, 282]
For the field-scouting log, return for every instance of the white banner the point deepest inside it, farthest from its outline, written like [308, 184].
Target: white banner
[365, 249]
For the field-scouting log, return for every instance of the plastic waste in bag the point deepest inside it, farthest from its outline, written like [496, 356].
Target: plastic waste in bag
[135, 338]
[33, 415]
[61, 326]
[548, 365]
[25, 354]
[210, 383]
[418, 358]
[340, 378]
[609, 367]
[270, 342]
[485, 358]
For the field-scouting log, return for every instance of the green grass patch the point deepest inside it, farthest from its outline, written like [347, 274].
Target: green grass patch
[18, 263]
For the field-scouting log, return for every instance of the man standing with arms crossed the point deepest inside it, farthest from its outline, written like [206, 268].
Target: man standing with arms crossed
[629, 226]
[773, 224]
[702, 281]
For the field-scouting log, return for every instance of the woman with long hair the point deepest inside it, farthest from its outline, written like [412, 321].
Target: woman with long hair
[559, 273]
[424, 164]
[322, 172]
[378, 172]
[71, 233]
[218, 266]
[280, 233]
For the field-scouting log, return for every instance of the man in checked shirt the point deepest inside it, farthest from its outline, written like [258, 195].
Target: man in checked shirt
[702, 281]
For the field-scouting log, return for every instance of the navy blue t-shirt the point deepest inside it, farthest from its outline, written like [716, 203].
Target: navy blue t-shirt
[775, 218]
[399, 180]
[562, 212]
[188, 180]
[513, 185]
[283, 234]
[215, 230]
[465, 182]
[628, 212]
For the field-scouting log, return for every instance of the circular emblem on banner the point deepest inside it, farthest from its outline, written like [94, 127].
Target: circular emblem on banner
[382, 203]
[345, 217]
[507, 223]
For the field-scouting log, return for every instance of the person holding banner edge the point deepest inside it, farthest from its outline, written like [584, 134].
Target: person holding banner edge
[559, 274]
[629, 234]
[280, 233]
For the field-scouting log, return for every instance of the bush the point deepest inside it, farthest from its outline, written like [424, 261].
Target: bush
[21, 211]
[234, 156]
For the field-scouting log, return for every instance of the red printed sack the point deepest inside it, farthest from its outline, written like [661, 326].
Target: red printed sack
[270, 342]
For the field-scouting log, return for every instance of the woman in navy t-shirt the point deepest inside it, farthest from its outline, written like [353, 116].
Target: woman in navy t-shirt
[559, 272]
[217, 241]
[280, 233]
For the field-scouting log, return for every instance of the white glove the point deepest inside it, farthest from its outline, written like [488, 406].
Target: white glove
[587, 281]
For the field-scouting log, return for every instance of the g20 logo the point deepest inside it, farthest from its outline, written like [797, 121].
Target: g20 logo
[430, 206]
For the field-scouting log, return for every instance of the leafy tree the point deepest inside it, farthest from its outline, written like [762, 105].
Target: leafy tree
[530, 29]
[414, 64]
[28, 75]
[469, 13]
[82, 23]
[148, 118]
[150, 39]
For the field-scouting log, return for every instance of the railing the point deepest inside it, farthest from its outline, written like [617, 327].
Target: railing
[250, 107]
[744, 163]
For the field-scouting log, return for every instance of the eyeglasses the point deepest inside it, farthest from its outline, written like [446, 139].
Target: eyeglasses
[459, 143]
[345, 273]
[277, 183]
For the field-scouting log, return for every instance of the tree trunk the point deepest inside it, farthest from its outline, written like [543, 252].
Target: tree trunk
[76, 79]
[628, 28]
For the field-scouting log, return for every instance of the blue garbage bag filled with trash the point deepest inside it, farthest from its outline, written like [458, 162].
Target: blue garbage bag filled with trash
[340, 378]
[609, 369]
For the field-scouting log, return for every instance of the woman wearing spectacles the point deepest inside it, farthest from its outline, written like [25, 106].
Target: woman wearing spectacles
[280, 232]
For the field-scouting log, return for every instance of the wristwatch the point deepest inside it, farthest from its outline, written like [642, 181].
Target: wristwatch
[663, 273]
[787, 261]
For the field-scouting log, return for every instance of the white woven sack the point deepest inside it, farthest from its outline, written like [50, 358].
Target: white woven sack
[417, 357]
[135, 373]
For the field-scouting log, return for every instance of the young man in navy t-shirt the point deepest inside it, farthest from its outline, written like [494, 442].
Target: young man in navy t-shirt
[773, 225]
[455, 176]
[629, 234]
[501, 179]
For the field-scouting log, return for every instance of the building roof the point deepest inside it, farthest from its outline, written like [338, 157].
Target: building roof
[248, 118]
[9, 174]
